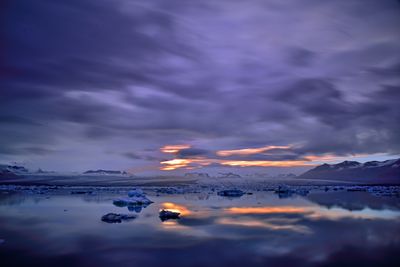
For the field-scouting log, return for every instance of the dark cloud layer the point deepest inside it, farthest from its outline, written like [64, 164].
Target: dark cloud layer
[88, 83]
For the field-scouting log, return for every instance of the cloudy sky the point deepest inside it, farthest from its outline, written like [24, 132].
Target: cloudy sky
[171, 86]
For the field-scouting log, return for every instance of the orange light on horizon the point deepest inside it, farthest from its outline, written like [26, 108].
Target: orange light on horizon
[331, 157]
[173, 149]
[174, 164]
[249, 151]
[198, 162]
[266, 163]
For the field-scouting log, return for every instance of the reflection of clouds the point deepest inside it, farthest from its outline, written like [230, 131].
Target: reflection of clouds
[339, 213]
[241, 230]
[354, 201]
[11, 199]
[316, 213]
[173, 225]
[273, 224]
[266, 210]
[264, 224]
[288, 218]
[17, 199]
[176, 226]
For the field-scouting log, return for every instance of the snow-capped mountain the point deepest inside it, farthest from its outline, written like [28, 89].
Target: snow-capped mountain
[228, 175]
[105, 172]
[197, 175]
[376, 171]
[12, 171]
[4, 173]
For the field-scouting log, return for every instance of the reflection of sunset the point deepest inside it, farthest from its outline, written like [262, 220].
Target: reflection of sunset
[248, 151]
[315, 213]
[174, 226]
[176, 208]
[338, 214]
[265, 210]
[263, 224]
[170, 223]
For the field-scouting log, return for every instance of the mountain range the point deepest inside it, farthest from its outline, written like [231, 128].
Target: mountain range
[105, 172]
[387, 171]
[372, 172]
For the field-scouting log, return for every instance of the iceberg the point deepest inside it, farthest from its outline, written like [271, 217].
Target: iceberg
[231, 193]
[167, 214]
[116, 218]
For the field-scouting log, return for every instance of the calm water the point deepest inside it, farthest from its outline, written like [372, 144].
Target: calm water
[323, 229]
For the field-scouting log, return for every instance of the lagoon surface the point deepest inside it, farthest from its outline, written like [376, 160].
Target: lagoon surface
[258, 229]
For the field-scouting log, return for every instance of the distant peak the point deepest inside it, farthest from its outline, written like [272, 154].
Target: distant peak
[100, 171]
[349, 162]
[388, 171]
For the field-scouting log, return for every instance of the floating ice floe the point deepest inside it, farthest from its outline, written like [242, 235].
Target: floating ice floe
[137, 192]
[357, 189]
[132, 201]
[82, 192]
[167, 214]
[231, 193]
[285, 191]
[170, 190]
[116, 218]
[135, 201]
[384, 191]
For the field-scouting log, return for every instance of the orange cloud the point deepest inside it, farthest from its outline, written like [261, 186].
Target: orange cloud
[173, 149]
[192, 163]
[314, 212]
[174, 164]
[249, 151]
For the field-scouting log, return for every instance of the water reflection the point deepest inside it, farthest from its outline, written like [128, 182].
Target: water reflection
[317, 212]
[272, 224]
[255, 230]
[265, 210]
[173, 225]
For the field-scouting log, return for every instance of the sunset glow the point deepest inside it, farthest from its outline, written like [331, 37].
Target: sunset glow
[199, 133]
[266, 163]
[249, 151]
[201, 161]
[174, 164]
[173, 149]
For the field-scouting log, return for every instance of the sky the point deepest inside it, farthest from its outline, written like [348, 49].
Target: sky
[168, 87]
